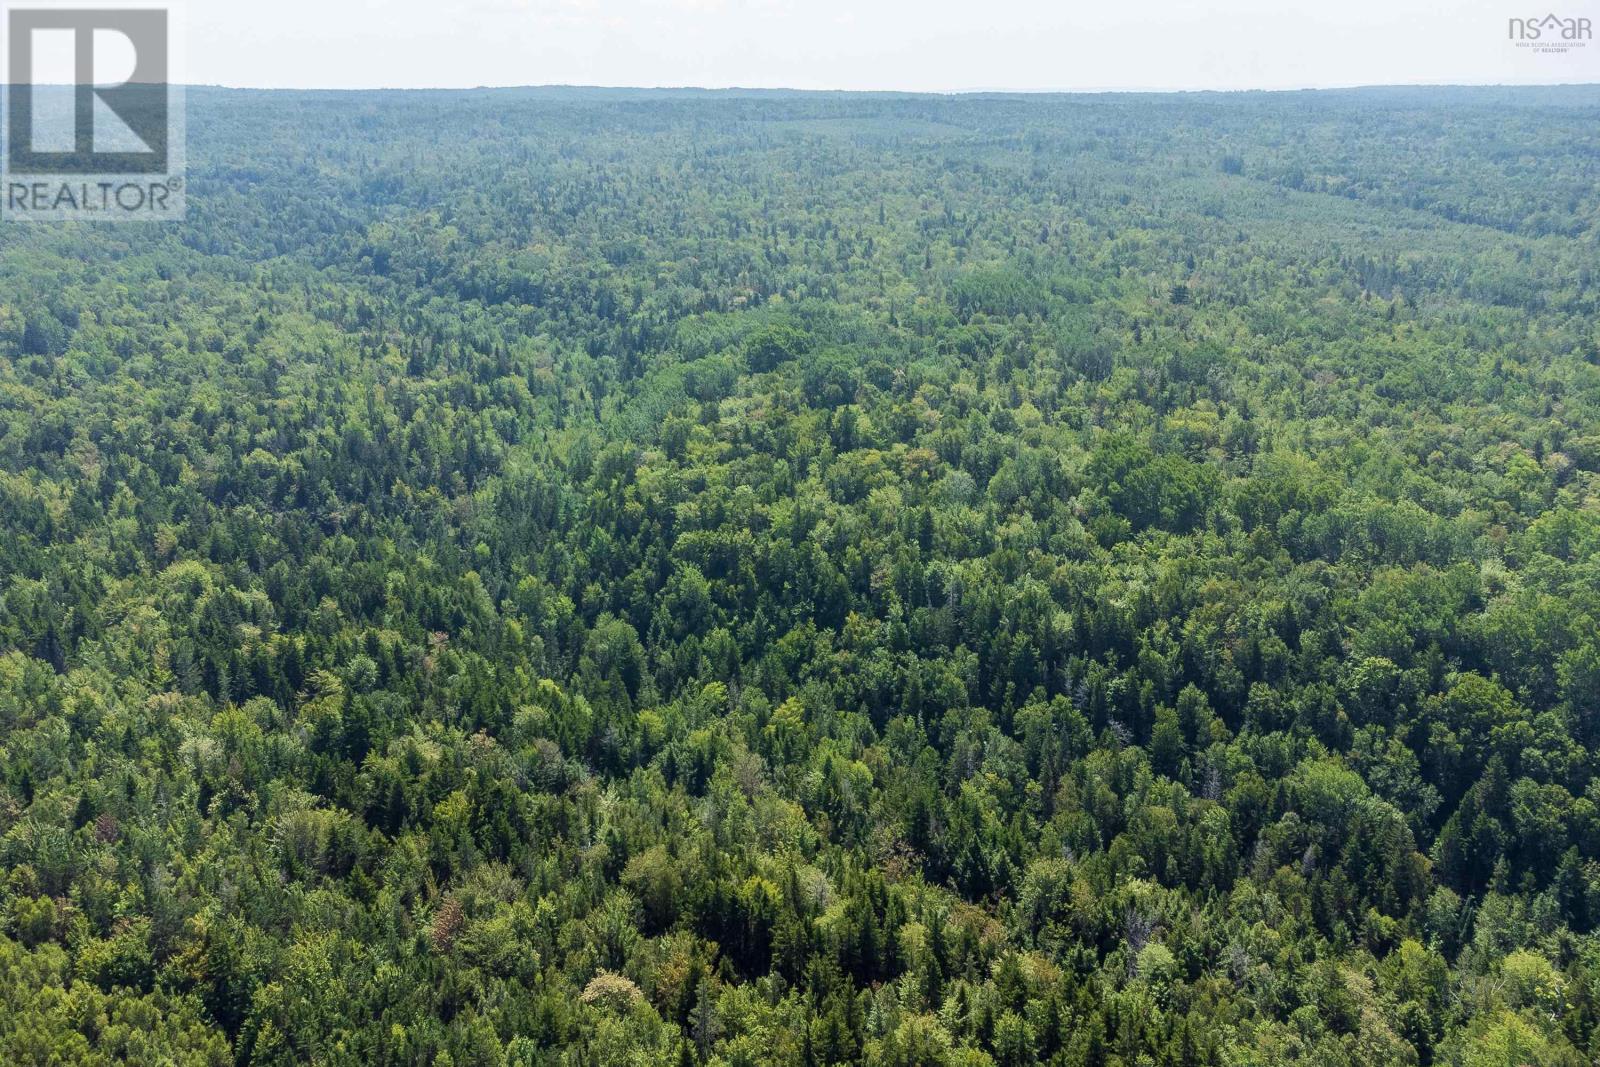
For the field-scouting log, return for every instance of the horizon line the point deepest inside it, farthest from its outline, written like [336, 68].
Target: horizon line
[1095, 90]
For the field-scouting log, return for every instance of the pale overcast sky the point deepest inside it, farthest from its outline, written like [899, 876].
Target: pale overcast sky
[938, 45]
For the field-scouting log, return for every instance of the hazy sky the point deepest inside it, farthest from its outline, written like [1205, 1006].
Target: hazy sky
[889, 44]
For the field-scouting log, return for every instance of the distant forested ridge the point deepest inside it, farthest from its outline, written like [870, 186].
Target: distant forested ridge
[599, 577]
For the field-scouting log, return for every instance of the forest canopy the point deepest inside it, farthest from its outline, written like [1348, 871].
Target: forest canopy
[596, 577]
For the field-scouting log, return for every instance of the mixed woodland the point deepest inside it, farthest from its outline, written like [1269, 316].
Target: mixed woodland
[582, 577]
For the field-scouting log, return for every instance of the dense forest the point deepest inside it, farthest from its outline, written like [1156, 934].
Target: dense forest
[605, 577]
